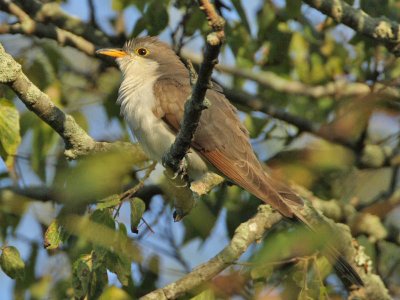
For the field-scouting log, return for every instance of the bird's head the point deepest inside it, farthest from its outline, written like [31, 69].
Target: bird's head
[144, 55]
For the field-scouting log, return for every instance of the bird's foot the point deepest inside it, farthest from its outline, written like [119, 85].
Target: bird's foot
[178, 215]
[181, 173]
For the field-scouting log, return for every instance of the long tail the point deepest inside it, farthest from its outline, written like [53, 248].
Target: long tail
[292, 206]
[345, 271]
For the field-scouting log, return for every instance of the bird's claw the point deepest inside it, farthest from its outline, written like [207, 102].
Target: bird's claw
[178, 215]
[181, 173]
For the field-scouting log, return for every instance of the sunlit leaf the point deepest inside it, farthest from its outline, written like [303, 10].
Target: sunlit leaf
[205, 295]
[138, 208]
[122, 4]
[9, 132]
[114, 293]
[299, 52]
[40, 288]
[96, 177]
[54, 235]
[101, 234]
[108, 202]
[11, 262]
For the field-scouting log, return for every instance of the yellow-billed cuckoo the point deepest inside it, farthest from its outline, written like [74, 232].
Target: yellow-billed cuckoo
[152, 95]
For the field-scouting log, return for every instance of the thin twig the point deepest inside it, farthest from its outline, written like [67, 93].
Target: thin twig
[92, 12]
[195, 105]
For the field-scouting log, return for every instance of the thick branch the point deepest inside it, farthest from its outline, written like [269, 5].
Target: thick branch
[77, 141]
[380, 29]
[196, 103]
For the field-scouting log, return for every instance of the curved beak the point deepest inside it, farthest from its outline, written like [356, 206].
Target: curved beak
[113, 52]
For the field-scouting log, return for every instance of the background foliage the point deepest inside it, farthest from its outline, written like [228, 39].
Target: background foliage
[321, 103]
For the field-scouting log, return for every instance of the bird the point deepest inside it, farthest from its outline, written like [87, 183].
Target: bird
[155, 86]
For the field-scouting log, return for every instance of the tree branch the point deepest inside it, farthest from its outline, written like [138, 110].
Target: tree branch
[30, 27]
[359, 223]
[51, 13]
[335, 89]
[380, 29]
[77, 141]
[196, 103]
[246, 234]
[252, 231]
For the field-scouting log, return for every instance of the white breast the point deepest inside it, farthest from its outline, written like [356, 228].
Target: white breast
[136, 97]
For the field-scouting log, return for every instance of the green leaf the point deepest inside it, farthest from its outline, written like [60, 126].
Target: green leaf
[114, 293]
[120, 5]
[199, 222]
[111, 201]
[205, 295]
[375, 8]
[156, 17]
[140, 25]
[117, 262]
[89, 277]
[95, 177]
[81, 270]
[195, 22]
[39, 289]
[27, 120]
[9, 131]
[54, 235]
[11, 263]
[138, 208]
[255, 125]
[293, 8]
[261, 272]
[119, 265]
[44, 138]
[81, 119]
[103, 217]
[41, 71]
[299, 52]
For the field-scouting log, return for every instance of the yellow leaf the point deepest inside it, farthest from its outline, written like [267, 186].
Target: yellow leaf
[9, 132]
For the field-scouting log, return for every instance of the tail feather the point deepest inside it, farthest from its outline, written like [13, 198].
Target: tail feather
[344, 270]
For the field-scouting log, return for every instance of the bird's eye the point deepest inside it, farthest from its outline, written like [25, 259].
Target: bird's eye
[142, 51]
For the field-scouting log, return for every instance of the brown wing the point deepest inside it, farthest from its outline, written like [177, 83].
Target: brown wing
[224, 142]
